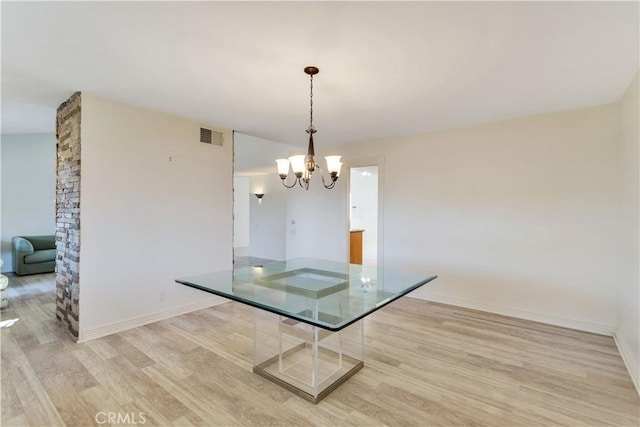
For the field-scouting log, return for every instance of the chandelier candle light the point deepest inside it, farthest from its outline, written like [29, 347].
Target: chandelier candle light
[303, 166]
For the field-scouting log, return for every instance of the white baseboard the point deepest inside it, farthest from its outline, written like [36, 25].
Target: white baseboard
[522, 314]
[113, 328]
[626, 353]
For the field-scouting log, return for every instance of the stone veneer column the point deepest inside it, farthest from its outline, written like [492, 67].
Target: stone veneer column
[68, 212]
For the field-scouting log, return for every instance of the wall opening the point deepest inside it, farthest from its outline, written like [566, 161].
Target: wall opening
[363, 215]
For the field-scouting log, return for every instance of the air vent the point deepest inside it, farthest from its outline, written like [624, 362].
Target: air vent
[209, 136]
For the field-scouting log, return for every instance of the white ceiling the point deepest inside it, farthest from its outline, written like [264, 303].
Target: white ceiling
[386, 68]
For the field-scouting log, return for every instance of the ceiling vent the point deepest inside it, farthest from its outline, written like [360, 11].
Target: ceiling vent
[208, 136]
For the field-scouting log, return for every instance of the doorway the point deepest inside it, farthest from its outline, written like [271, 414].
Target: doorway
[363, 215]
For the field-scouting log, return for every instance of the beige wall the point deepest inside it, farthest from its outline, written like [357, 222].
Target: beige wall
[628, 333]
[156, 204]
[518, 217]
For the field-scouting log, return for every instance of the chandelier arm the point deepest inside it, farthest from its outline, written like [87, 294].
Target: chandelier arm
[333, 180]
[330, 186]
[289, 186]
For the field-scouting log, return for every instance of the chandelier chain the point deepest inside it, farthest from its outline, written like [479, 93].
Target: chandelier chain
[311, 104]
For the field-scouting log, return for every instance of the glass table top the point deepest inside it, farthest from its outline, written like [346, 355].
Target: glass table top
[328, 294]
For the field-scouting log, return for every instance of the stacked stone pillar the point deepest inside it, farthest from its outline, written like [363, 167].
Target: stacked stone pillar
[68, 212]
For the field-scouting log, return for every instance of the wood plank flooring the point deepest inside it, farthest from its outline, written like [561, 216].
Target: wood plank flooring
[426, 364]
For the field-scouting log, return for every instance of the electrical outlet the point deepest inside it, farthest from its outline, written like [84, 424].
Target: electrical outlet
[161, 296]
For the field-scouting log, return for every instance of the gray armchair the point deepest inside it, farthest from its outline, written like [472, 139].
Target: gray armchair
[33, 254]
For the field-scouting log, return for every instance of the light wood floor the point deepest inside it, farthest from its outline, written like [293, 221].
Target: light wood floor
[426, 364]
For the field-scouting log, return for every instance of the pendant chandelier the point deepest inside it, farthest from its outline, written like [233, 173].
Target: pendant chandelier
[303, 166]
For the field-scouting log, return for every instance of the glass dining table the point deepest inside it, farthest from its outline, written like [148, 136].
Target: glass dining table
[308, 317]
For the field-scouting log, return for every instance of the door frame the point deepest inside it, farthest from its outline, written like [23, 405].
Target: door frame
[359, 163]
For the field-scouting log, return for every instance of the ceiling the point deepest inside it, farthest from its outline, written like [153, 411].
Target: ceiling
[386, 68]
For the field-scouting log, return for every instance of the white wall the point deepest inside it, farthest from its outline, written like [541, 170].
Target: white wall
[28, 188]
[268, 219]
[321, 221]
[241, 190]
[628, 333]
[156, 204]
[320, 216]
[518, 217]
